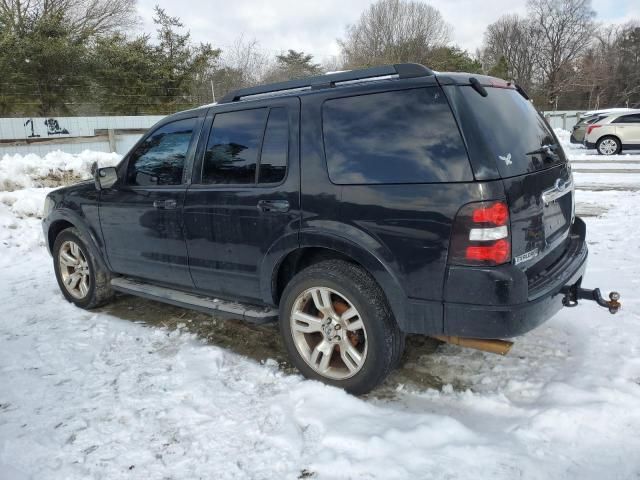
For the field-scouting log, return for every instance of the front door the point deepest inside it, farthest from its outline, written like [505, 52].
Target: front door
[244, 197]
[141, 215]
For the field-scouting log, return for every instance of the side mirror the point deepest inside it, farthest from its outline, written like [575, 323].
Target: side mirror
[105, 177]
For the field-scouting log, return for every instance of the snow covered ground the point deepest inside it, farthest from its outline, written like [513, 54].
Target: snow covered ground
[114, 394]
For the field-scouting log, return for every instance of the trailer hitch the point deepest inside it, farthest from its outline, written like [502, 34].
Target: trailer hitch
[573, 293]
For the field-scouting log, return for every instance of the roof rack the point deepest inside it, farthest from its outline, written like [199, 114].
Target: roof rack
[400, 70]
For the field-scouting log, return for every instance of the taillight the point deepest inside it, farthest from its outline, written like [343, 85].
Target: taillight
[480, 234]
[590, 128]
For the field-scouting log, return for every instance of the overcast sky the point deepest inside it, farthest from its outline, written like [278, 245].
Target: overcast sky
[313, 26]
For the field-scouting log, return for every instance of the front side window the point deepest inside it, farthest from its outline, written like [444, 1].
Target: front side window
[159, 160]
[405, 136]
[233, 147]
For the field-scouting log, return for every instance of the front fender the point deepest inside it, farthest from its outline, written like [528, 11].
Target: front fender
[79, 222]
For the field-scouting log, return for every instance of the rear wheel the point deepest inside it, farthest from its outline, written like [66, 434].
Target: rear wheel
[338, 328]
[608, 146]
[81, 278]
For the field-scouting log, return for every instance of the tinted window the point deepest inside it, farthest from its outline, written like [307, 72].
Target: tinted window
[273, 159]
[406, 136]
[233, 147]
[159, 160]
[628, 119]
[512, 130]
[595, 119]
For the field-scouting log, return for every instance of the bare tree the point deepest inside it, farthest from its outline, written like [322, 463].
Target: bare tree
[515, 40]
[597, 66]
[242, 64]
[565, 28]
[333, 63]
[86, 18]
[394, 31]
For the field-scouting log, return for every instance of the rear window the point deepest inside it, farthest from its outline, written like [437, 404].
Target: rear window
[590, 120]
[513, 130]
[406, 136]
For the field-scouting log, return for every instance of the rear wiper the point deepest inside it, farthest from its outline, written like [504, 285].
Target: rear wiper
[549, 151]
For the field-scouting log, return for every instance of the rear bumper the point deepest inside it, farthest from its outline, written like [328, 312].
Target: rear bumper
[502, 302]
[573, 139]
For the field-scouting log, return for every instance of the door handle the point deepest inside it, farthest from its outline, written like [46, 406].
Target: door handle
[169, 204]
[273, 206]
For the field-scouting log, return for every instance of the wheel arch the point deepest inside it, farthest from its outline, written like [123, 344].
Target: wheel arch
[318, 247]
[60, 220]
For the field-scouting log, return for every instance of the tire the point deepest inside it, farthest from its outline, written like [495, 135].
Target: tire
[90, 286]
[361, 358]
[609, 145]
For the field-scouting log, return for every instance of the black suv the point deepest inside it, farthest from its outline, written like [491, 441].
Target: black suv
[357, 207]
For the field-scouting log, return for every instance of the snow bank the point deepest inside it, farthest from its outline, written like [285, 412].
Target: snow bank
[25, 181]
[54, 169]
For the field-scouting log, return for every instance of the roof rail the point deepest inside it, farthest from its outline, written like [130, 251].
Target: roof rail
[401, 70]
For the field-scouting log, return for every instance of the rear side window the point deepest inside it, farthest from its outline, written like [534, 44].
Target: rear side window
[247, 146]
[233, 147]
[159, 159]
[628, 119]
[405, 136]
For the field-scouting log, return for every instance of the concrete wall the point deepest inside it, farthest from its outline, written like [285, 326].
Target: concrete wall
[564, 119]
[72, 134]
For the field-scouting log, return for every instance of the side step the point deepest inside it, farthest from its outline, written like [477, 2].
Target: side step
[215, 306]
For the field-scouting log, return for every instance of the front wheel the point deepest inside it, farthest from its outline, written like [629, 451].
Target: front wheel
[81, 278]
[338, 328]
[608, 146]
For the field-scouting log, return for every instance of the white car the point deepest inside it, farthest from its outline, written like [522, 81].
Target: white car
[615, 132]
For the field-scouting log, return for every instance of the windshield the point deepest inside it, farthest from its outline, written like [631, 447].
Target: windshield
[516, 135]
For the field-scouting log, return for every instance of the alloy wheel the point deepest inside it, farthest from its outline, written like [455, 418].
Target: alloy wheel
[74, 269]
[608, 146]
[329, 333]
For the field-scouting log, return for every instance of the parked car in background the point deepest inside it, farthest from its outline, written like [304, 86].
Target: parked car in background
[614, 133]
[587, 118]
[580, 129]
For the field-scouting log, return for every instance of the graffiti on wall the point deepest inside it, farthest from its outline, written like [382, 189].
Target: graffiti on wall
[53, 128]
[30, 123]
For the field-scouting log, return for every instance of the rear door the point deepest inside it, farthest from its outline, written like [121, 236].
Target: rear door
[244, 198]
[537, 178]
[628, 128]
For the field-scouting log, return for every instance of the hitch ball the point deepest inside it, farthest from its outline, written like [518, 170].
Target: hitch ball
[574, 293]
[614, 304]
